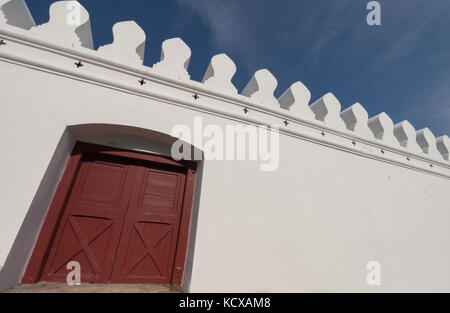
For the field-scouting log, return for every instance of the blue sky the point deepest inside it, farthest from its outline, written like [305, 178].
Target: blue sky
[401, 67]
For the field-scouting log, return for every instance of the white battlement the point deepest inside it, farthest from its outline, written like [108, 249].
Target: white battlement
[62, 29]
[129, 46]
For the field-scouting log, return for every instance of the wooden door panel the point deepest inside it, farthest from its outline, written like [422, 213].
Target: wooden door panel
[147, 248]
[84, 242]
[145, 254]
[101, 185]
[90, 227]
[158, 194]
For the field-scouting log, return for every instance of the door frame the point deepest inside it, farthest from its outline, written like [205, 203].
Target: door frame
[47, 234]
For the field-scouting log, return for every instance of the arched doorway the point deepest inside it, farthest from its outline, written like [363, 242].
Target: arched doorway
[123, 215]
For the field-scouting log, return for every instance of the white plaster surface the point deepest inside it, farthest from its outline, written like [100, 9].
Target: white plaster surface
[310, 226]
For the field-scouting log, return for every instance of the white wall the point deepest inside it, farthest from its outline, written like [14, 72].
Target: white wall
[315, 223]
[311, 225]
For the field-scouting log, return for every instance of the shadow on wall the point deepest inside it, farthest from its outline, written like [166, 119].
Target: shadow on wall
[124, 137]
[17, 14]
[23, 244]
[193, 228]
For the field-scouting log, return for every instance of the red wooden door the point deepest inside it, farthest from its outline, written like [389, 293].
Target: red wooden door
[120, 222]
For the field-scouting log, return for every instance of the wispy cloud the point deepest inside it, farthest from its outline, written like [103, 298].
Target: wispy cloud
[406, 32]
[432, 107]
[396, 67]
[328, 24]
[228, 25]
